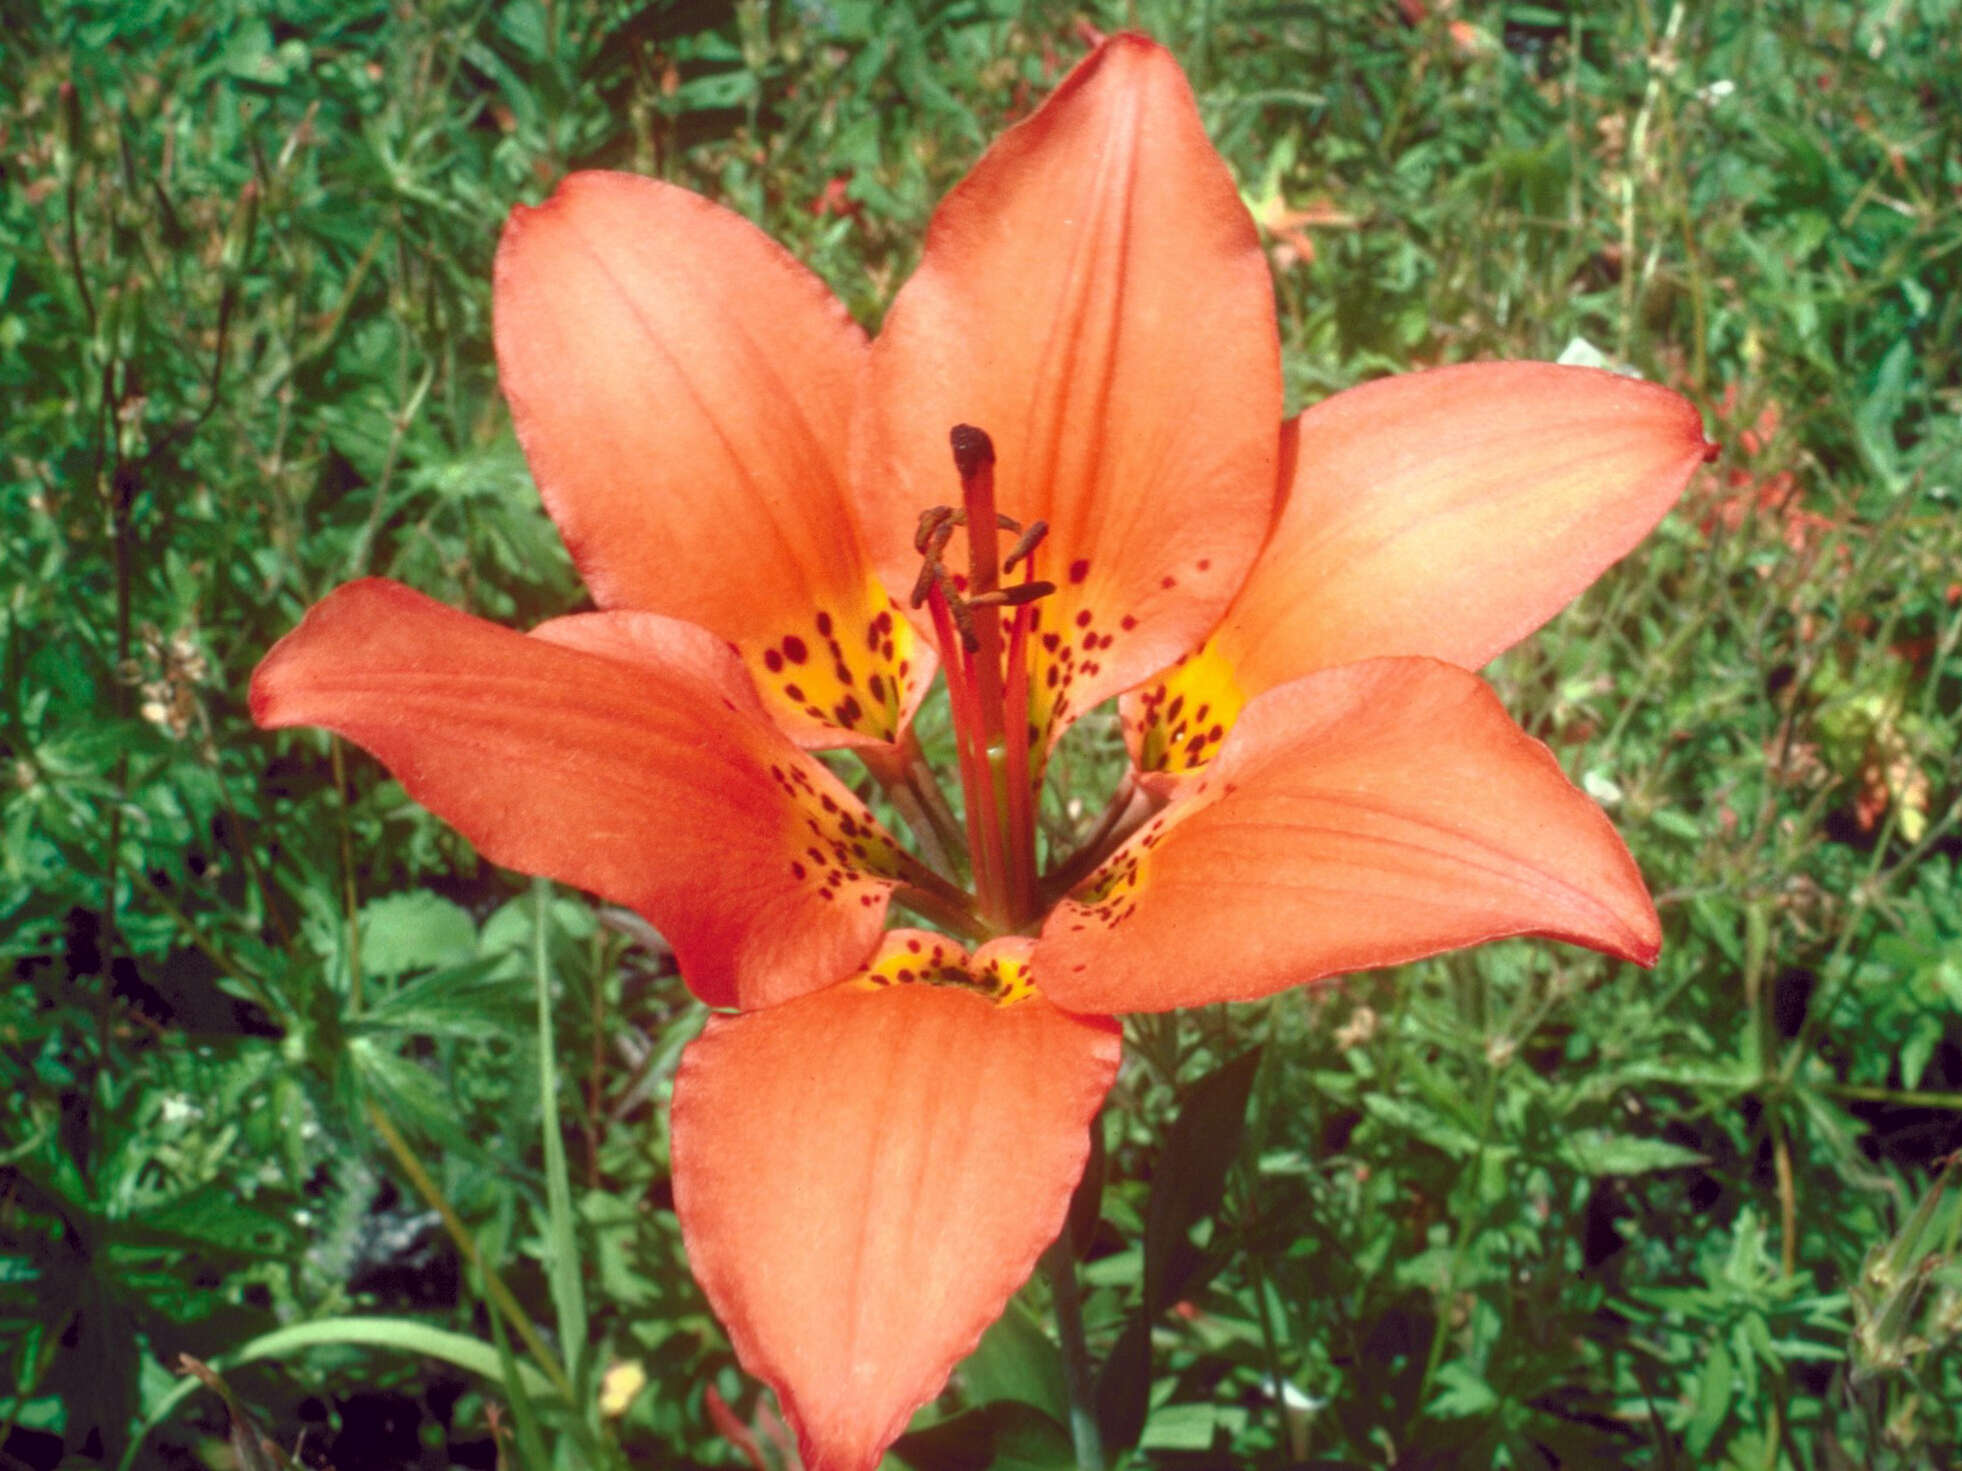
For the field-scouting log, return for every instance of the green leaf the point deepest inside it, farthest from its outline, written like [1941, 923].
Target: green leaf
[562, 1259]
[1005, 1436]
[1016, 1361]
[1713, 1396]
[1462, 1392]
[1199, 1149]
[1180, 1428]
[1124, 1386]
[1597, 1152]
[414, 931]
[401, 1335]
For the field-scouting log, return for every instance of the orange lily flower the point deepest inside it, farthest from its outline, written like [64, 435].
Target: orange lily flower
[879, 1135]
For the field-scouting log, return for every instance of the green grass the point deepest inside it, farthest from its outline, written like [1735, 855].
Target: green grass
[1517, 1207]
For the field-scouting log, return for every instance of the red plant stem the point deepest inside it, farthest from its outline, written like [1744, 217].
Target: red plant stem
[976, 791]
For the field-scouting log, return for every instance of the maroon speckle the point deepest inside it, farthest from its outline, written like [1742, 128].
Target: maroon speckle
[794, 650]
[772, 660]
[824, 624]
[1079, 569]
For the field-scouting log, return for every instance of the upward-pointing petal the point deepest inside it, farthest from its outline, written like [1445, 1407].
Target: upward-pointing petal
[683, 390]
[1093, 296]
[625, 754]
[1451, 512]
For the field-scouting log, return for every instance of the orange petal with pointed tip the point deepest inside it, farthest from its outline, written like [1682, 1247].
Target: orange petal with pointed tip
[1450, 513]
[631, 761]
[1094, 296]
[864, 1177]
[1359, 817]
[683, 390]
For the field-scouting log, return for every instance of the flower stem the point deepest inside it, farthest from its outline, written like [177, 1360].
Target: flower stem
[1130, 805]
[952, 914]
[898, 770]
[494, 1288]
[1059, 1267]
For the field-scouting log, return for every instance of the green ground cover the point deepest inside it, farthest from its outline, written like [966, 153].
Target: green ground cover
[1517, 1207]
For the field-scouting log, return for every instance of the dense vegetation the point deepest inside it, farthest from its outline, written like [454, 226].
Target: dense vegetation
[294, 1084]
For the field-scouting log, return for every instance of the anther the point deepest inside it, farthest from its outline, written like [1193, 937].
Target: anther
[1031, 538]
[958, 608]
[936, 522]
[1013, 596]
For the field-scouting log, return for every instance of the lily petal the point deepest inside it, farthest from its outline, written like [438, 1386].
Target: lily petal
[1361, 816]
[1094, 296]
[683, 390]
[1452, 512]
[865, 1175]
[651, 780]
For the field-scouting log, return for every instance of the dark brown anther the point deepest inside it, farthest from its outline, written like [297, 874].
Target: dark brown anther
[930, 539]
[972, 449]
[923, 584]
[933, 521]
[1026, 545]
[1013, 596]
[956, 607]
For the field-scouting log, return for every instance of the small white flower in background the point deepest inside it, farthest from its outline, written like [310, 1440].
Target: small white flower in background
[1601, 787]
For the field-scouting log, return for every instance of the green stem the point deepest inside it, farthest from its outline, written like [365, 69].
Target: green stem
[494, 1287]
[952, 915]
[1059, 1268]
[901, 771]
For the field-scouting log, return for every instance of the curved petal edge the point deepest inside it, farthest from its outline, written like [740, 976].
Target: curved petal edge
[1359, 817]
[1449, 513]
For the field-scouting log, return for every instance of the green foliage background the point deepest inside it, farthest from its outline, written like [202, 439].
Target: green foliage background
[1513, 1208]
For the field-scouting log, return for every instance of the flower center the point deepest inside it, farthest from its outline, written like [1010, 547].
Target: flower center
[984, 630]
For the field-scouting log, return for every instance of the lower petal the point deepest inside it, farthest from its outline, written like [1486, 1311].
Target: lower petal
[864, 1176]
[1359, 817]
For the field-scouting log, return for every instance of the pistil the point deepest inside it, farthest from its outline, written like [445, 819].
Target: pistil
[987, 679]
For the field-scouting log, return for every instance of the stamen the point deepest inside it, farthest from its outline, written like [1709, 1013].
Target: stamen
[990, 702]
[936, 525]
[1013, 596]
[1031, 539]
